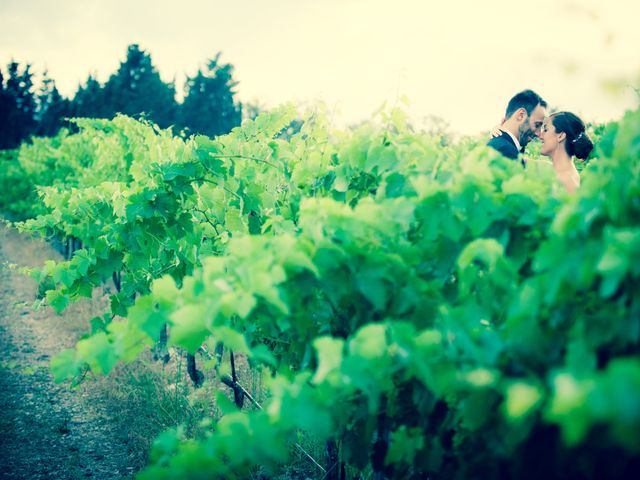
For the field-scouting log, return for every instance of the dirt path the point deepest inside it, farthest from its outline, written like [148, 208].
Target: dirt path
[48, 431]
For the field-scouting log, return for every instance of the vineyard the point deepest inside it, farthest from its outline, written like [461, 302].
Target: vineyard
[419, 308]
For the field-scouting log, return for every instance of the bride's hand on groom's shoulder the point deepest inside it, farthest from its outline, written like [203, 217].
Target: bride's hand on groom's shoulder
[495, 132]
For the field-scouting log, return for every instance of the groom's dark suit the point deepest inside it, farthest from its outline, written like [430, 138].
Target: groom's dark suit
[504, 144]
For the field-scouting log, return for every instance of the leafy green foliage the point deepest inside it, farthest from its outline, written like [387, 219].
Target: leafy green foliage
[435, 308]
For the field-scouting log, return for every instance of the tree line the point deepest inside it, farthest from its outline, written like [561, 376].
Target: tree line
[209, 106]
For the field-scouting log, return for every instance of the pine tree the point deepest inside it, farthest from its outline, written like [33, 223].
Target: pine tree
[7, 106]
[18, 106]
[52, 108]
[209, 106]
[89, 100]
[136, 88]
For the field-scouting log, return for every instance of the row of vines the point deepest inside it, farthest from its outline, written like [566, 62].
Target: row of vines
[428, 310]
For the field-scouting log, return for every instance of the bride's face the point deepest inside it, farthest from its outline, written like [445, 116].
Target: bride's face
[549, 138]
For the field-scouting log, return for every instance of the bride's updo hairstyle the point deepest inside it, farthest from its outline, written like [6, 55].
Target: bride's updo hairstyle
[578, 142]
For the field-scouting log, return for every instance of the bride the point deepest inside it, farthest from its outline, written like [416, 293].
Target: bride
[563, 136]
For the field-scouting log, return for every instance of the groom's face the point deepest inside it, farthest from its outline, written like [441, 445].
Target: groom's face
[532, 125]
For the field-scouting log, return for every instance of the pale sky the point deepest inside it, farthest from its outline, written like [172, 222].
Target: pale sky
[460, 60]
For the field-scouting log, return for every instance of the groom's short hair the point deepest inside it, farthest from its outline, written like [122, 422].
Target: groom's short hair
[527, 99]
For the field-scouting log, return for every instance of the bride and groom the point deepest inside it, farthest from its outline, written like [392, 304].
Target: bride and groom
[562, 134]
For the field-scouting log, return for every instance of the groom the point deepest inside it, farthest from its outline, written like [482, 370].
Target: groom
[523, 121]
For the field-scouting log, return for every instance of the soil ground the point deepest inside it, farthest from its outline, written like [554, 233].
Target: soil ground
[47, 430]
